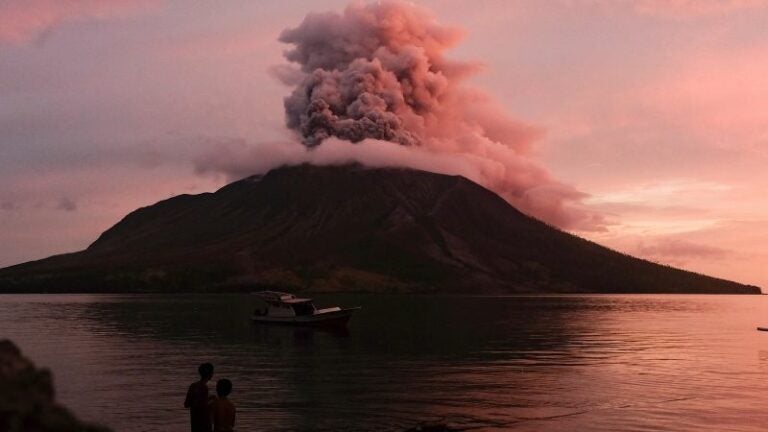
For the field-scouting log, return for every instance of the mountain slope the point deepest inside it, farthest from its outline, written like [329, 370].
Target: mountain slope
[348, 228]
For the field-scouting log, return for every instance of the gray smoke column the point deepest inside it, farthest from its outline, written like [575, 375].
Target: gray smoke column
[376, 71]
[375, 77]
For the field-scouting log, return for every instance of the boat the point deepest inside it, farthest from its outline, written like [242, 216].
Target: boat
[285, 308]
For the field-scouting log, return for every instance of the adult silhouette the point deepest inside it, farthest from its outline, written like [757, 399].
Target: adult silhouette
[197, 400]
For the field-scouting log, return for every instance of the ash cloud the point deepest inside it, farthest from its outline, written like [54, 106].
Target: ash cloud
[375, 71]
[376, 78]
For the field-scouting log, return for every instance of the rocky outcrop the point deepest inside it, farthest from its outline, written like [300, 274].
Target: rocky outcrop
[27, 398]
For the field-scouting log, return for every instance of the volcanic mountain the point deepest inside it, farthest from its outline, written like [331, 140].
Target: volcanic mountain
[347, 228]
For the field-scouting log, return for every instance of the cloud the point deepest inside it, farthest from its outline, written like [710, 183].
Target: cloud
[677, 251]
[694, 8]
[662, 207]
[236, 158]
[667, 192]
[66, 204]
[287, 74]
[25, 20]
[680, 9]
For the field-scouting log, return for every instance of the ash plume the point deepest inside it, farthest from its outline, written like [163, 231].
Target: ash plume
[375, 79]
[375, 71]
[378, 71]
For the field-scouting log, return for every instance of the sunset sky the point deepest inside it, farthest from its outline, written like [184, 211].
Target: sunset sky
[655, 110]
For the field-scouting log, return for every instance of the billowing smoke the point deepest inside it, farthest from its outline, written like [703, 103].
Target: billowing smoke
[374, 72]
[375, 78]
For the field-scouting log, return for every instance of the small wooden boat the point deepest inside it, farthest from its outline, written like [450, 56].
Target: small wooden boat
[284, 308]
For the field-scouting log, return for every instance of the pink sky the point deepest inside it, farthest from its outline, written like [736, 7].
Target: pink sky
[656, 109]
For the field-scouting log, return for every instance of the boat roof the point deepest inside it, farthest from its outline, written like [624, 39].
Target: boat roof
[281, 297]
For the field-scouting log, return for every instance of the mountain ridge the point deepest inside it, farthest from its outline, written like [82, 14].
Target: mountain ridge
[348, 228]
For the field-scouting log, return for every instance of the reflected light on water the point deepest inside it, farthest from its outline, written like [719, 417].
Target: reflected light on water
[552, 363]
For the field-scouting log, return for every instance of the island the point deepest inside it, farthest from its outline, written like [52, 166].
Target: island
[348, 228]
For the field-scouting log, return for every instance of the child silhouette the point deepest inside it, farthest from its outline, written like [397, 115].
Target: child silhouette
[222, 409]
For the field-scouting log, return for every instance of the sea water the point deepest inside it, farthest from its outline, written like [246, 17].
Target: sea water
[537, 363]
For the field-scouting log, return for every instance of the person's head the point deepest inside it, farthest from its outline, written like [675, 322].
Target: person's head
[206, 371]
[223, 387]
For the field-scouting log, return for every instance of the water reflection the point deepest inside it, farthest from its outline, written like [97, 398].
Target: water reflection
[532, 363]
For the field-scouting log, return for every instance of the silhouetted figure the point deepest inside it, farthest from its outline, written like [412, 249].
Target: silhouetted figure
[222, 409]
[197, 400]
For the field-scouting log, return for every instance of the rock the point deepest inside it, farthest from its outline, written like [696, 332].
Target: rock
[27, 398]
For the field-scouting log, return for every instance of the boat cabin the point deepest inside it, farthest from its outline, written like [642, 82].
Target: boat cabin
[279, 304]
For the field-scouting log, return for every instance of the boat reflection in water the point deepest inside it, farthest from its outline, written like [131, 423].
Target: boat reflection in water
[283, 308]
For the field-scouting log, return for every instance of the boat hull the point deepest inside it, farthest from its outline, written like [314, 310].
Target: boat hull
[337, 318]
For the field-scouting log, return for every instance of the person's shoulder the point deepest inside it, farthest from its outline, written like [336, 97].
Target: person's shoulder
[197, 385]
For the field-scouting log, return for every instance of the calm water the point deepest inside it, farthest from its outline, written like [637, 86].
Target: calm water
[566, 363]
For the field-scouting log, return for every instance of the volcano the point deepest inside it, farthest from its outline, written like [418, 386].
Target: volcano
[348, 228]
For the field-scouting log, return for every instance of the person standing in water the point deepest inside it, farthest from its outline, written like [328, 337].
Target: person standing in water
[222, 409]
[197, 400]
